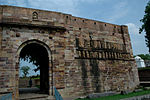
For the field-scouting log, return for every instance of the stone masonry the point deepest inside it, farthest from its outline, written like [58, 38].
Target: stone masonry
[85, 56]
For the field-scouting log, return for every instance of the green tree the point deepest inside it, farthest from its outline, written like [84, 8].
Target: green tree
[25, 70]
[146, 25]
[145, 57]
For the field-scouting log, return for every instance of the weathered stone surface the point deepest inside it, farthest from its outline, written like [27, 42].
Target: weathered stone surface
[98, 95]
[138, 90]
[147, 88]
[85, 56]
[126, 92]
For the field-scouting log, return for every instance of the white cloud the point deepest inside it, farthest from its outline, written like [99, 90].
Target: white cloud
[133, 29]
[137, 40]
[90, 1]
[118, 14]
[119, 10]
[120, 5]
[65, 6]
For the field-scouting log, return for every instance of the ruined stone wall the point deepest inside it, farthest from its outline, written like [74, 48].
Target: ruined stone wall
[88, 56]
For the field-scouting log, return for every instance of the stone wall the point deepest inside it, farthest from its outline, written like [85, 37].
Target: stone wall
[24, 83]
[85, 56]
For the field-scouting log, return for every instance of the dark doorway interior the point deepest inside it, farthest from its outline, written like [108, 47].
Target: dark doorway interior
[38, 55]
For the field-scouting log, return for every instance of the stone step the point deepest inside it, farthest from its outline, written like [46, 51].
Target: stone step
[34, 96]
[51, 98]
[29, 90]
[47, 98]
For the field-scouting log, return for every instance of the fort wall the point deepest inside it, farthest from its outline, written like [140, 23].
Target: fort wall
[88, 56]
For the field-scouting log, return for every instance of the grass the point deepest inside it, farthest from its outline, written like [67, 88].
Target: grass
[144, 68]
[36, 78]
[119, 96]
[38, 86]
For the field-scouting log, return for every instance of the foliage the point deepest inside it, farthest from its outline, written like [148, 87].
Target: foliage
[144, 57]
[34, 53]
[144, 68]
[32, 77]
[38, 86]
[25, 70]
[146, 24]
[35, 77]
[119, 96]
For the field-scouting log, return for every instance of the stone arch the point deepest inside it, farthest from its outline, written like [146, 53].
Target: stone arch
[41, 43]
[34, 41]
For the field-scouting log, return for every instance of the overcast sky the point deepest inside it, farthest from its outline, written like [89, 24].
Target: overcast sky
[121, 12]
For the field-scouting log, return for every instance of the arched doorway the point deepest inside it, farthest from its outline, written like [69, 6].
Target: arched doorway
[38, 53]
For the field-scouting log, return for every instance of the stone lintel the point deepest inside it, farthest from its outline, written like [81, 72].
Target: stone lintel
[28, 23]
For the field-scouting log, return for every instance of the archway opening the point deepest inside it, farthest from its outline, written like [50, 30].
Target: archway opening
[36, 54]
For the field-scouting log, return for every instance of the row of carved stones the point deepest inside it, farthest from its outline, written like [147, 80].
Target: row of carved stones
[97, 44]
[85, 54]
